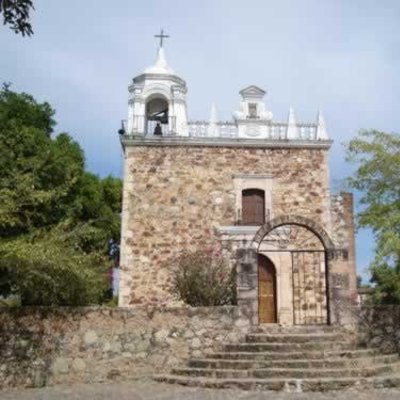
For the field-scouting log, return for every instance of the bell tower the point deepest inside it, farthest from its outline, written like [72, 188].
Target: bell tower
[157, 100]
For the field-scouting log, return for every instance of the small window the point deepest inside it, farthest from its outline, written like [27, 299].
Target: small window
[252, 110]
[253, 207]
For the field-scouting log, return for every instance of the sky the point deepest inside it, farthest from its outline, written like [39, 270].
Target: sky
[341, 56]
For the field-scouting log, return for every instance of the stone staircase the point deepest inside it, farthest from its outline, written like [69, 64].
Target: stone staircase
[311, 358]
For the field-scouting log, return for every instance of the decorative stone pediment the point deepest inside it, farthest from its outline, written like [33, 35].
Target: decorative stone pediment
[252, 92]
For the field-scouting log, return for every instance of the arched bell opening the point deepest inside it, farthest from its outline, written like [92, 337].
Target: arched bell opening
[157, 116]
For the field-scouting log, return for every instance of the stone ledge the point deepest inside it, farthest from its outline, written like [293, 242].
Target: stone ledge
[238, 230]
[168, 141]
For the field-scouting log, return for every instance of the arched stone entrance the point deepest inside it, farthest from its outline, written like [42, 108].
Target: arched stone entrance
[294, 220]
[313, 277]
[300, 260]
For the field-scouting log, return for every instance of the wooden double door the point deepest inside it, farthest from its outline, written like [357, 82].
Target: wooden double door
[266, 290]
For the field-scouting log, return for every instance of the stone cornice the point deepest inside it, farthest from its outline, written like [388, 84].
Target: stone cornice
[168, 141]
[163, 77]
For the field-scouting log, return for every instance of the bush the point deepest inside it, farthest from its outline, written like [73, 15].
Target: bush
[204, 279]
[46, 271]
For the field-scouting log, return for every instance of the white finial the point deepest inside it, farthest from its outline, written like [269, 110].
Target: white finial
[160, 66]
[292, 132]
[212, 126]
[322, 133]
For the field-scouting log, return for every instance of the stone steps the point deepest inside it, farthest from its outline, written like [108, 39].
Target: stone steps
[296, 338]
[289, 373]
[285, 384]
[305, 364]
[296, 358]
[309, 355]
[298, 329]
[290, 347]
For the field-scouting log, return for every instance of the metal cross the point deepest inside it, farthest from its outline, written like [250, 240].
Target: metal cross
[161, 36]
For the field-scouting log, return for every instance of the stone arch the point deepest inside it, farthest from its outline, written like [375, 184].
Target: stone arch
[294, 220]
[157, 90]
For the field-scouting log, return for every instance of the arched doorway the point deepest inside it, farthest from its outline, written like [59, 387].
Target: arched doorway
[266, 290]
[300, 257]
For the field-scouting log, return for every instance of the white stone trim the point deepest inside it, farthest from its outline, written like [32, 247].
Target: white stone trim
[238, 230]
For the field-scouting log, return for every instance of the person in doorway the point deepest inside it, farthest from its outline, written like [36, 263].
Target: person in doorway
[157, 129]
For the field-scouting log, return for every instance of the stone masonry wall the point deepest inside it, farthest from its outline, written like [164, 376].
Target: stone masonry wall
[343, 277]
[42, 346]
[378, 326]
[175, 197]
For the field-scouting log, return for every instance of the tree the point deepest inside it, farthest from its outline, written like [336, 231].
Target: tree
[39, 175]
[16, 15]
[377, 155]
[55, 217]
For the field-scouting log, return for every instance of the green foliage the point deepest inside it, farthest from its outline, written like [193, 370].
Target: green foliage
[45, 271]
[55, 217]
[377, 155]
[38, 175]
[16, 14]
[204, 279]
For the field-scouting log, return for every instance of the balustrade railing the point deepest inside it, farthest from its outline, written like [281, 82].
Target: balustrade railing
[272, 131]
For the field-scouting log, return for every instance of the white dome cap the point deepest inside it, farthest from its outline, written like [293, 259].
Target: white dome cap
[160, 66]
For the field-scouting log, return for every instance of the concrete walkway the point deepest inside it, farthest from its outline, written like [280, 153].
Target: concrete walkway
[149, 390]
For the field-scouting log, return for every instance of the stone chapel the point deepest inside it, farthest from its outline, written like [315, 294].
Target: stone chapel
[256, 187]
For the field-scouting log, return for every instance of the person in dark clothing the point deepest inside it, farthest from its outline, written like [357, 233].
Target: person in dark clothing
[157, 129]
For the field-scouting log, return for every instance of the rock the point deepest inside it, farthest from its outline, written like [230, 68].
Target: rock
[39, 378]
[195, 343]
[60, 365]
[142, 346]
[197, 353]
[90, 338]
[78, 365]
[113, 373]
[170, 341]
[115, 347]
[161, 335]
[201, 332]
[75, 340]
[242, 323]
[130, 347]
[23, 343]
[106, 347]
[188, 334]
